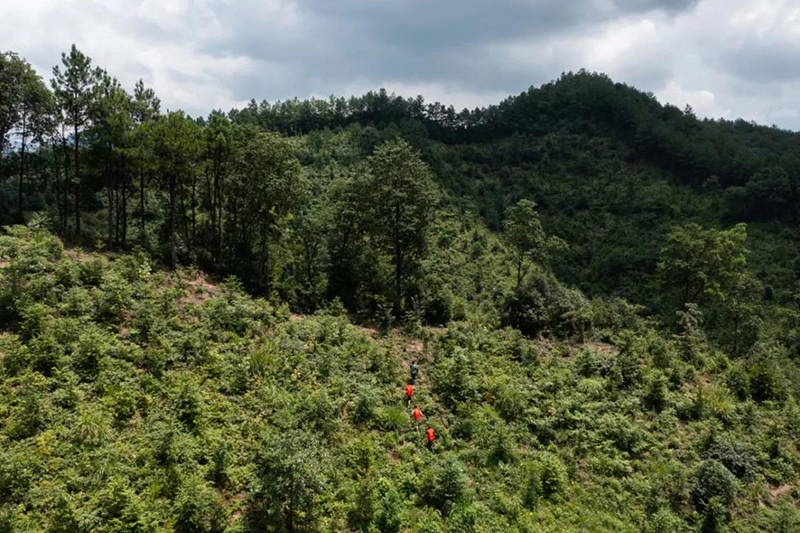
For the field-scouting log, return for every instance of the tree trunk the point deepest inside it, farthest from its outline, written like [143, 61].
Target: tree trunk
[57, 185]
[172, 197]
[65, 192]
[142, 228]
[22, 165]
[77, 183]
[110, 199]
[398, 264]
[217, 206]
[124, 203]
[264, 267]
[194, 204]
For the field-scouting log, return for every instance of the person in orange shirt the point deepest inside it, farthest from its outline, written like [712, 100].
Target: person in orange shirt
[409, 393]
[417, 414]
[431, 437]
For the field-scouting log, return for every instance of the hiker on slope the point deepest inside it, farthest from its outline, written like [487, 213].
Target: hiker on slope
[417, 414]
[431, 437]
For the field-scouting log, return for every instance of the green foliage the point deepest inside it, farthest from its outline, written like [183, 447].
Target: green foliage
[714, 487]
[135, 399]
[454, 379]
[289, 480]
[400, 198]
[445, 485]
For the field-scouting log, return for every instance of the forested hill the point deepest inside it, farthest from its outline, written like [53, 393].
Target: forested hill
[611, 168]
[206, 324]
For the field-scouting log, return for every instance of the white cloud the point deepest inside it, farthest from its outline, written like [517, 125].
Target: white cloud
[433, 92]
[703, 102]
[726, 58]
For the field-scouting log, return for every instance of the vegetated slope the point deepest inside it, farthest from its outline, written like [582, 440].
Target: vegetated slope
[142, 400]
[612, 169]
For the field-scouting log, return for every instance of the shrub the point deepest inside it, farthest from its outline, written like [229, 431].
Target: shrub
[655, 396]
[362, 513]
[321, 413]
[766, 378]
[664, 521]
[502, 448]
[188, 403]
[738, 381]
[542, 303]
[92, 347]
[454, 378]
[363, 411]
[63, 518]
[393, 418]
[91, 428]
[220, 462]
[463, 519]
[554, 475]
[713, 481]
[445, 485]
[734, 454]
[91, 271]
[587, 363]
[389, 506]
[544, 477]
[288, 470]
[193, 507]
[29, 415]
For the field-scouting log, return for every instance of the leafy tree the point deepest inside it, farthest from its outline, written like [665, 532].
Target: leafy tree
[145, 109]
[401, 196]
[290, 478]
[702, 266]
[177, 147]
[713, 482]
[25, 108]
[265, 188]
[73, 87]
[110, 113]
[769, 193]
[523, 231]
[219, 149]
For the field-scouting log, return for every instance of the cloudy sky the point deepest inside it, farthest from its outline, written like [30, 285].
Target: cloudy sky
[727, 58]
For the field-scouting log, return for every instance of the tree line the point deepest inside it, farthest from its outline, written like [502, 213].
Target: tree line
[221, 193]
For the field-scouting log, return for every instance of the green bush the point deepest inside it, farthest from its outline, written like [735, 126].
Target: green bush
[445, 486]
[194, 504]
[454, 378]
[767, 381]
[389, 506]
[713, 482]
[543, 477]
[393, 418]
[655, 396]
[664, 521]
[587, 363]
[734, 454]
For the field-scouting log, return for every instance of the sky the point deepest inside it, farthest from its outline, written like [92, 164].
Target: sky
[726, 58]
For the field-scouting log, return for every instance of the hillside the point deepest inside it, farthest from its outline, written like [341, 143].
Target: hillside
[206, 324]
[134, 399]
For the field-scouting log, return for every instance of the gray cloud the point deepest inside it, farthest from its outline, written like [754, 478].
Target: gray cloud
[724, 57]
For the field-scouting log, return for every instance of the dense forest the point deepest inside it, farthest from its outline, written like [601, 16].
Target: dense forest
[206, 323]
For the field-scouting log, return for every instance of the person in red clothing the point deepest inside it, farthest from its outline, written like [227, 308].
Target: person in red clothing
[417, 414]
[409, 393]
[431, 437]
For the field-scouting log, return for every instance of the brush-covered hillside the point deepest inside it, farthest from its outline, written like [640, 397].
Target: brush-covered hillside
[137, 399]
[207, 324]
